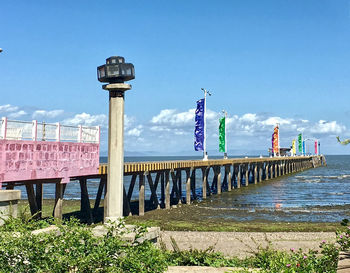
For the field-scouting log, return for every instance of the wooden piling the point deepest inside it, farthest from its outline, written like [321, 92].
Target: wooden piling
[246, 175]
[167, 189]
[39, 196]
[204, 182]
[59, 193]
[141, 194]
[229, 184]
[85, 209]
[31, 198]
[218, 180]
[188, 186]
[255, 174]
[239, 176]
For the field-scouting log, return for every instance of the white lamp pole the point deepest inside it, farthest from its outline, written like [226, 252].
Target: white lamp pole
[205, 154]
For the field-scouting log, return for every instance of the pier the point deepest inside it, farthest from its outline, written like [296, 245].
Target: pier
[35, 153]
[168, 180]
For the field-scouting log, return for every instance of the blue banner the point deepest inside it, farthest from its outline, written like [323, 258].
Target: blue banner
[304, 152]
[199, 126]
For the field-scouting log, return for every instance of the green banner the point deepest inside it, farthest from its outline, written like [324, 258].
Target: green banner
[222, 135]
[300, 143]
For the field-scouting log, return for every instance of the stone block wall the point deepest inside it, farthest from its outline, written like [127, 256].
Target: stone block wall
[8, 203]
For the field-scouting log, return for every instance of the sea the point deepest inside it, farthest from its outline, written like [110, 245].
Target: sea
[315, 195]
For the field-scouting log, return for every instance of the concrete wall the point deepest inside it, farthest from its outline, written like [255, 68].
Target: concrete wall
[30, 160]
[8, 203]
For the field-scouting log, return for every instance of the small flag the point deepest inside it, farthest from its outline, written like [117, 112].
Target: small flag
[300, 143]
[199, 126]
[316, 147]
[275, 140]
[293, 147]
[222, 135]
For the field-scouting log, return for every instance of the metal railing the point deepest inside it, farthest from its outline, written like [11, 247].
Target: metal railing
[41, 131]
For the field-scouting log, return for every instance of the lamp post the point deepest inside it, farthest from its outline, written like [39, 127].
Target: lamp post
[115, 72]
[205, 154]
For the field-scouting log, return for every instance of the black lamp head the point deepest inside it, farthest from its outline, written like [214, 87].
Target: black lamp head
[115, 70]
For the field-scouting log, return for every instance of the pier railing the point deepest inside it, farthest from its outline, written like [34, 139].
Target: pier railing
[41, 131]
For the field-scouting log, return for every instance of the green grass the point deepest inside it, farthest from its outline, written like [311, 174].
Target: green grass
[252, 226]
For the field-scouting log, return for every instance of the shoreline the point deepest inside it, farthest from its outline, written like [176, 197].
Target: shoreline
[189, 218]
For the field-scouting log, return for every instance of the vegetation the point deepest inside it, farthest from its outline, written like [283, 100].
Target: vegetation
[75, 249]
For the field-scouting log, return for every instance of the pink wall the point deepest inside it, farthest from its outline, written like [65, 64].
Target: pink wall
[30, 160]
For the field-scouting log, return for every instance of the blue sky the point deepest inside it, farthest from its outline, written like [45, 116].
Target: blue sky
[264, 62]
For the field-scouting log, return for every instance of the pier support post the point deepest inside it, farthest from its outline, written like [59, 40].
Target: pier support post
[218, 181]
[271, 171]
[179, 192]
[246, 175]
[31, 198]
[204, 182]
[101, 186]
[193, 183]
[188, 186]
[85, 209]
[260, 173]
[239, 175]
[255, 174]
[57, 211]
[229, 184]
[153, 188]
[267, 171]
[141, 194]
[162, 189]
[167, 189]
[39, 198]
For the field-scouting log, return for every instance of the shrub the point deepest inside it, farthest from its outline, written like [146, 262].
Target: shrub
[75, 249]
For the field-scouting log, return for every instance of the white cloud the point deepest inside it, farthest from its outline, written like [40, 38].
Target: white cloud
[17, 114]
[128, 121]
[249, 117]
[275, 120]
[135, 131]
[175, 129]
[42, 114]
[172, 117]
[8, 108]
[327, 127]
[87, 119]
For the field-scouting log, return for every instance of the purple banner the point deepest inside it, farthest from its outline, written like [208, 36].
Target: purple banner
[199, 126]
